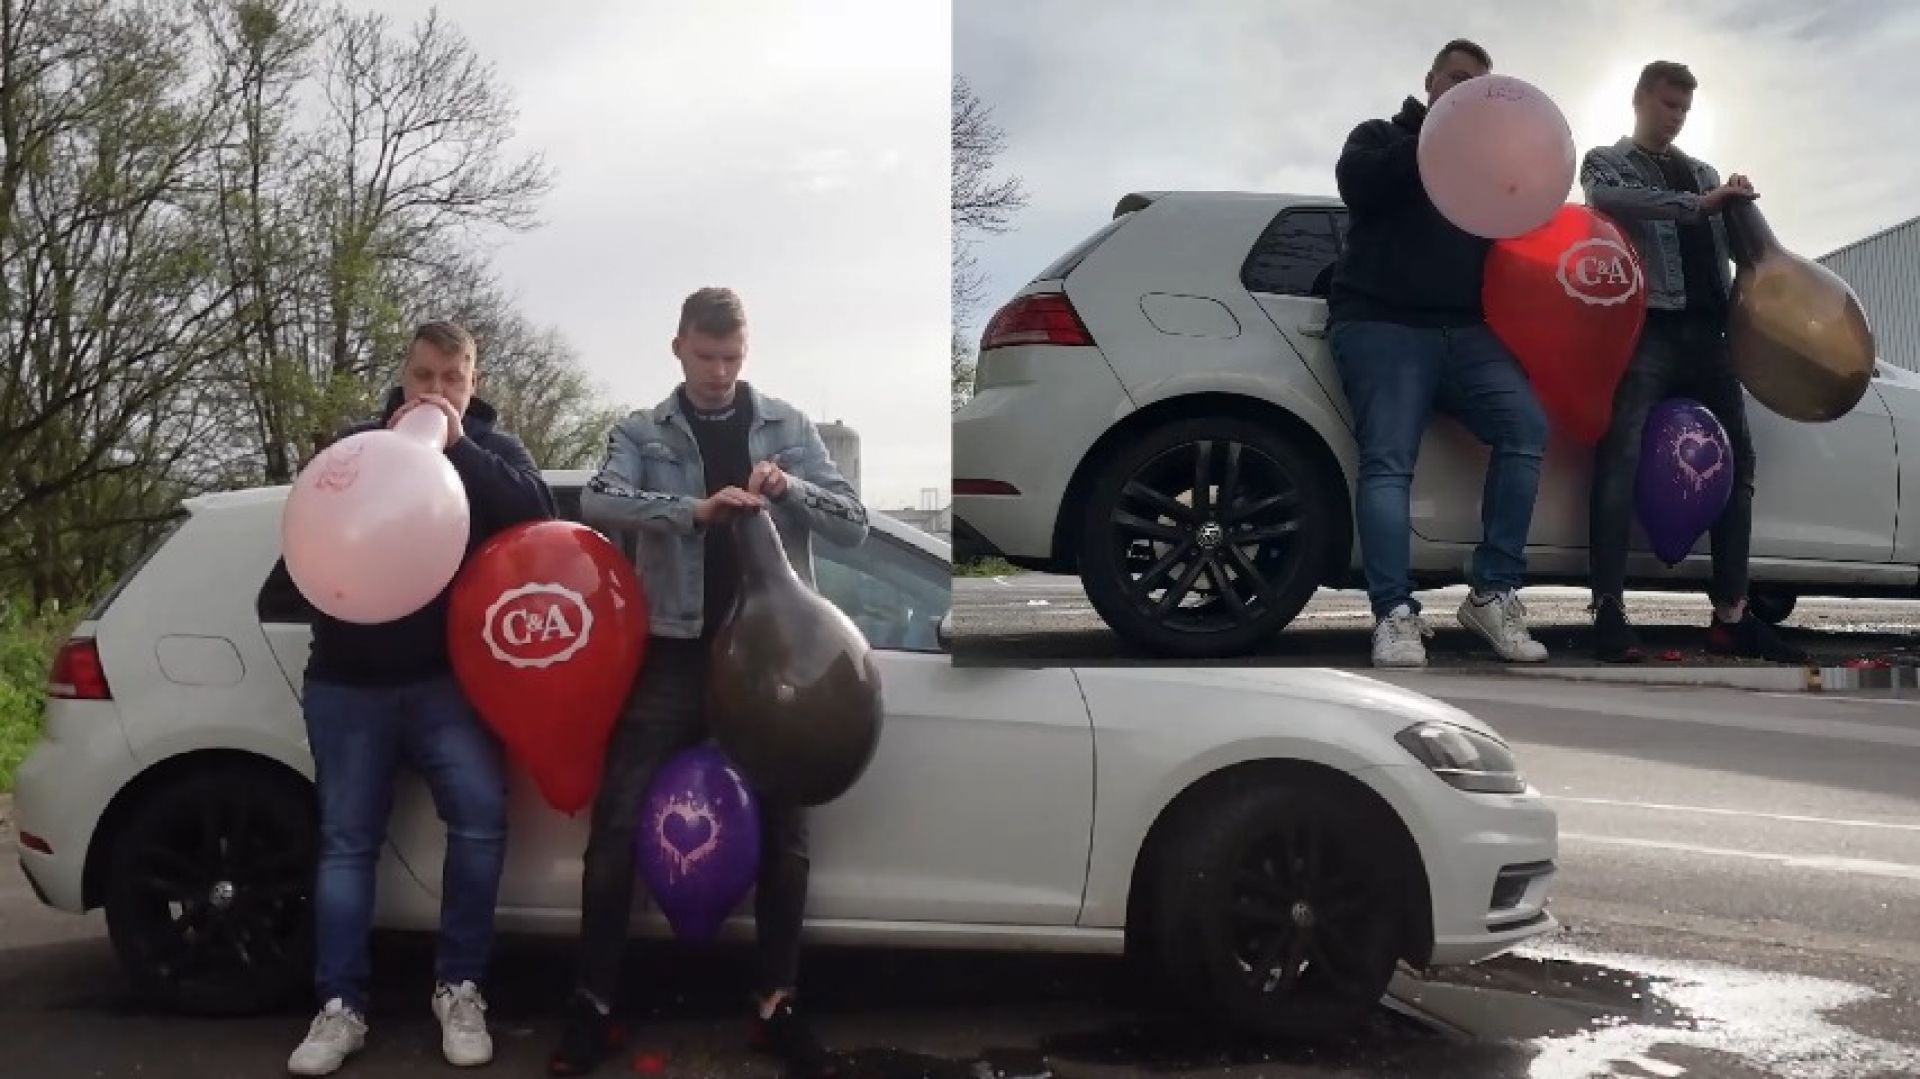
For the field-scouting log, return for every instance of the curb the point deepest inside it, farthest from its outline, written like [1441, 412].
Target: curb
[1759, 679]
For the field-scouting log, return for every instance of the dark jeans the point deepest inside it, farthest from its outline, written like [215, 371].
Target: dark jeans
[1678, 356]
[360, 736]
[1394, 377]
[664, 715]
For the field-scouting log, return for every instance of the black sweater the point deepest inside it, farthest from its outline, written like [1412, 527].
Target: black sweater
[1403, 262]
[504, 488]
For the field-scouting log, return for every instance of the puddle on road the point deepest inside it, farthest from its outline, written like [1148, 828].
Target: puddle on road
[1608, 1015]
[1546, 1013]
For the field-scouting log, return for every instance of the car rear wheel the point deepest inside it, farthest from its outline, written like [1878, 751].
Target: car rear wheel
[209, 892]
[1278, 907]
[1205, 537]
[1771, 605]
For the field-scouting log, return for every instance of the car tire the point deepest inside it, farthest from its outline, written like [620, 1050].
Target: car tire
[1141, 538]
[1230, 922]
[1772, 606]
[209, 891]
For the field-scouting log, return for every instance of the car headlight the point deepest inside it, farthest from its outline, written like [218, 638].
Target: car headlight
[1465, 758]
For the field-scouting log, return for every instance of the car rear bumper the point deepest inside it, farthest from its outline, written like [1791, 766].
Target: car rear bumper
[1489, 860]
[60, 792]
[1040, 411]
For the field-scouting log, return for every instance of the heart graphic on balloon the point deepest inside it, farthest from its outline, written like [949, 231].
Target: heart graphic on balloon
[1701, 457]
[688, 833]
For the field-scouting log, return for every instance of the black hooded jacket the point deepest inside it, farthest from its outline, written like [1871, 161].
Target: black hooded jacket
[1403, 262]
[504, 488]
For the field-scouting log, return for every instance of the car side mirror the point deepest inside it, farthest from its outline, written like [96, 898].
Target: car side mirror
[943, 632]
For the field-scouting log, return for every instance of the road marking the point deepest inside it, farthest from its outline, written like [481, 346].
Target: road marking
[1864, 867]
[1793, 817]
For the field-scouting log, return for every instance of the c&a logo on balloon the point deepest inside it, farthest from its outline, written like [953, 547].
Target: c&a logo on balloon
[537, 625]
[1599, 272]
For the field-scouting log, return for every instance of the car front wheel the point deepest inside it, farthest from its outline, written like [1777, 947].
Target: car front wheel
[209, 891]
[1279, 904]
[1771, 606]
[1205, 537]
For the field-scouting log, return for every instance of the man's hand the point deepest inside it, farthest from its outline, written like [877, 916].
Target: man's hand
[1736, 187]
[768, 479]
[724, 503]
[454, 431]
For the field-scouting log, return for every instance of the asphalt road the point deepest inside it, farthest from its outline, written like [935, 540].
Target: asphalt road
[1034, 617]
[1740, 885]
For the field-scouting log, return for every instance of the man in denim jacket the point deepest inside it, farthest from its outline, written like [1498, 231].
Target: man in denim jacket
[1670, 206]
[714, 448]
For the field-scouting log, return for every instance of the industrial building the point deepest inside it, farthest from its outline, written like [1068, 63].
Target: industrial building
[843, 445]
[1884, 271]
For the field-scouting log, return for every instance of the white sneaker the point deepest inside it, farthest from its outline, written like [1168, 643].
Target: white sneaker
[1502, 619]
[462, 1012]
[1398, 639]
[337, 1033]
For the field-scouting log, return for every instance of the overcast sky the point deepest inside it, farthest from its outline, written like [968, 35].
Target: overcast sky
[1814, 101]
[795, 152]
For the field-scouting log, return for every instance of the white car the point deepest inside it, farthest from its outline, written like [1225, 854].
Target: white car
[1280, 839]
[1158, 412]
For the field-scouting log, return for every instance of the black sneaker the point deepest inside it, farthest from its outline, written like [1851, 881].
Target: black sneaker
[589, 1038]
[786, 1037]
[1613, 638]
[1751, 638]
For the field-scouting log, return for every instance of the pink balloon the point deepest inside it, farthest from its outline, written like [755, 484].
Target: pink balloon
[376, 524]
[1496, 156]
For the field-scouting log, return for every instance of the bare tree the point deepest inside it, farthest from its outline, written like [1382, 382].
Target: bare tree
[982, 203]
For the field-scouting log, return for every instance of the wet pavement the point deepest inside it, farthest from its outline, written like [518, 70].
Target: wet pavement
[1739, 881]
[1031, 617]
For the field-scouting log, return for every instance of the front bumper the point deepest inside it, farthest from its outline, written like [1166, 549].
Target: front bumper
[61, 791]
[1489, 860]
[1043, 409]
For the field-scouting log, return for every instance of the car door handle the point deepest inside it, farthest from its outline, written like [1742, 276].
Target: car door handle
[1313, 329]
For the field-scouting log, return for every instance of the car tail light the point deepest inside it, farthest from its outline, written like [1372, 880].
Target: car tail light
[984, 487]
[1046, 318]
[77, 674]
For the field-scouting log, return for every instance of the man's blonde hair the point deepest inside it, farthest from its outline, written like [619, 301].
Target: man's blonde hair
[447, 336]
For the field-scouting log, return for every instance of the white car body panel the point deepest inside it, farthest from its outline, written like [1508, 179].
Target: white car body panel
[1828, 502]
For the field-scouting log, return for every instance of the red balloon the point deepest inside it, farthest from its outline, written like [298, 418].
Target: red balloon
[1568, 299]
[546, 626]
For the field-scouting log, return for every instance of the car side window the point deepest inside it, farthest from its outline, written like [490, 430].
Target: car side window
[1296, 253]
[895, 594]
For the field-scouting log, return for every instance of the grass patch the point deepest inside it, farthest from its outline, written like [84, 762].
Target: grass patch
[985, 567]
[27, 643]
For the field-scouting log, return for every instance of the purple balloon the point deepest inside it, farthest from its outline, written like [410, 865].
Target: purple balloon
[1685, 477]
[698, 842]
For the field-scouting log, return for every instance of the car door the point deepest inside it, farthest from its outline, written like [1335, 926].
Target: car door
[978, 805]
[1826, 491]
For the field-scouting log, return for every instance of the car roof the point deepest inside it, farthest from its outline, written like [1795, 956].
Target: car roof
[252, 497]
[1140, 200]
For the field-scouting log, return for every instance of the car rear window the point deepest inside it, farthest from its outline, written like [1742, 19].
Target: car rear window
[1294, 256]
[166, 532]
[1071, 261]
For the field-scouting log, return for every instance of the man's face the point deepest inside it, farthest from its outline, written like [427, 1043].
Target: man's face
[1660, 111]
[711, 364]
[432, 370]
[1454, 69]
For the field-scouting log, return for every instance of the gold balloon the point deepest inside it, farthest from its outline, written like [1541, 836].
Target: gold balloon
[1797, 334]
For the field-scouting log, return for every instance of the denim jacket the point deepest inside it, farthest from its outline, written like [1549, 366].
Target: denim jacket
[653, 476]
[1624, 183]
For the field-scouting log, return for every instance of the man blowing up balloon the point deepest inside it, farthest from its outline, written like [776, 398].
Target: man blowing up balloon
[715, 449]
[1671, 207]
[380, 694]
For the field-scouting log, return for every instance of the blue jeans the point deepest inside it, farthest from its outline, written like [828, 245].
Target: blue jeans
[360, 736]
[1395, 376]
